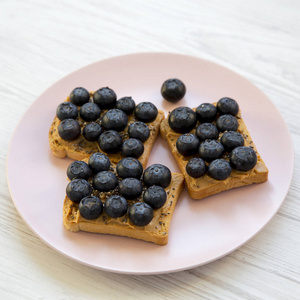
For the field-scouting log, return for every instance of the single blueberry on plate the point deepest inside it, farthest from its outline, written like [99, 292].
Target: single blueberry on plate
[146, 112]
[90, 207]
[79, 169]
[140, 214]
[210, 150]
[79, 96]
[182, 119]
[173, 90]
[231, 140]
[130, 188]
[196, 167]
[207, 131]
[116, 206]
[77, 189]
[90, 112]
[206, 112]
[155, 196]
[126, 104]
[66, 110]
[132, 148]
[114, 119]
[243, 158]
[99, 162]
[227, 106]
[139, 130]
[110, 141]
[129, 167]
[105, 97]
[105, 181]
[92, 131]
[219, 169]
[227, 123]
[187, 144]
[157, 175]
[69, 129]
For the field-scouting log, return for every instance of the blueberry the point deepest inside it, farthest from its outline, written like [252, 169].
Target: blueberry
[130, 188]
[105, 97]
[99, 162]
[105, 181]
[126, 104]
[140, 214]
[110, 141]
[231, 140]
[196, 167]
[155, 196]
[114, 119]
[219, 169]
[66, 110]
[92, 131]
[157, 175]
[182, 119]
[116, 206]
[90, 207]
[79, 96]
[90, 112]
[210, 150]
[207, 131]
[146, 112]
[132, 148]
[187, 144]
[69, 129]
[173, 90]
[139, 130]
[227, 106]
[79, 169]
[129, 167]
[227, 122]
[206, 112]
[77, 189]
[243, 158]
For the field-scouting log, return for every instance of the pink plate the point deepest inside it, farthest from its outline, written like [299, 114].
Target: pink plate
[201, 231]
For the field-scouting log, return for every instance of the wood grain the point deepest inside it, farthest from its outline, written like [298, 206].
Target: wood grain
[41, 42]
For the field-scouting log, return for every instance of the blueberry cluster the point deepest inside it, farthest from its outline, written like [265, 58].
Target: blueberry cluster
[215, 135]
[104, 118]
[128, 183]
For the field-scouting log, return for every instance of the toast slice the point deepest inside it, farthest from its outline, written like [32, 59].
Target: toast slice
[80, 148]
[204, 186]
[157, 231]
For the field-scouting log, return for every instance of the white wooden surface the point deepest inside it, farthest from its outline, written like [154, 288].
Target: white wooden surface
[42, 41]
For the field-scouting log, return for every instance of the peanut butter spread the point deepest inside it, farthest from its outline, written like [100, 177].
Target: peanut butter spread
[206, 185]
[158, 227]
[80, 148]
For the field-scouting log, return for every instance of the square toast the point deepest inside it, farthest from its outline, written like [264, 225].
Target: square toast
[157, 231]
[80, 148]
[205, 186]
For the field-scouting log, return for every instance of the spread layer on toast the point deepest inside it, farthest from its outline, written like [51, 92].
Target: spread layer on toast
[157, 231]
[80, 148]
[205, 186]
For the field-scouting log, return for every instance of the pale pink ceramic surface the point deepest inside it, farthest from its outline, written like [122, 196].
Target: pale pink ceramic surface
[201, 231]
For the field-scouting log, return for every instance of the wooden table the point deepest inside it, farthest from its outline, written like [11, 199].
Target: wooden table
[42, 41]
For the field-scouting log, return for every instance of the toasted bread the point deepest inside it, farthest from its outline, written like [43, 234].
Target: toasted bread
[157, 231]
[80, 148]
[204, 186]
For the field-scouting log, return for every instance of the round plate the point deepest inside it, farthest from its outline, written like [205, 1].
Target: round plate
[201, 230]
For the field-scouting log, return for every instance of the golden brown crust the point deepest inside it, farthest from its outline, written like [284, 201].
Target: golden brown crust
[156, 231]
[80, 148]
[205, 186]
